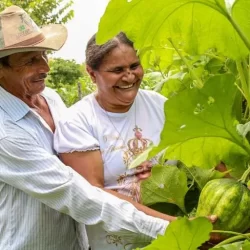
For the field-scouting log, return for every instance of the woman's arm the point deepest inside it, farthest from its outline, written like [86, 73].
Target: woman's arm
[89, 164]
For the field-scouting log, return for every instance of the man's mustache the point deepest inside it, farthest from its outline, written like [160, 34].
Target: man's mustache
[41, 77]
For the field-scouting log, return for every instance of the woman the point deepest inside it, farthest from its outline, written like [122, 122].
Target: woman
[106, 130]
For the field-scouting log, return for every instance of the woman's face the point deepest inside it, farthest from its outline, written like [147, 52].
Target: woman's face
[118, 79]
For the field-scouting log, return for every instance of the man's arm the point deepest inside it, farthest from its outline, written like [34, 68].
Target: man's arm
[28, 167]
[89, 164]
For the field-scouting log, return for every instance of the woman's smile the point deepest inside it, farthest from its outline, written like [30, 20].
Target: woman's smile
[125, 86]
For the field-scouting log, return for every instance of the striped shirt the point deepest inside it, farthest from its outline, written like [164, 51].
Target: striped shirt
[42, 200]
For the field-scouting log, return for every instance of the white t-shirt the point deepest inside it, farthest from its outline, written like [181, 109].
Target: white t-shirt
[120, 137]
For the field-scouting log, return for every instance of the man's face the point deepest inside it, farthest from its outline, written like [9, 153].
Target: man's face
[25, 73]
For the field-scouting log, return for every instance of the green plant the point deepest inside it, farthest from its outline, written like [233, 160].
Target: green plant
[69, 79]
[201, 48]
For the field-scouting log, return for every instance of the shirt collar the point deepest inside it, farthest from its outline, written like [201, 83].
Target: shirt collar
[12, 105]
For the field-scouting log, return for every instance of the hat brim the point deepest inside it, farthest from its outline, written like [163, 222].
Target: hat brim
[55, 37]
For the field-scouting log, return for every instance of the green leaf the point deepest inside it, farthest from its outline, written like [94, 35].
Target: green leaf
[183, 234]
[244, 128]
[214, 65]
[192, 25]
[202, 176]
[156, 58]
[166, 184]
[140, 158]
[200, 128]
[246, 245]
[174, 84]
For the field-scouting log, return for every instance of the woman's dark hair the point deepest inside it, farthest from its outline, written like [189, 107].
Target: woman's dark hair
[96, 53]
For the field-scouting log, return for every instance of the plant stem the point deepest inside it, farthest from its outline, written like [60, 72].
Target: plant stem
[245, 69]
[245, 175]
[233, 239]
[163, 75]
[215, 57]
[243, 82]
[234, 24]
[199, 84]
[239, 88]
[248, 70]
[226, 232]
[240, 33]
[246, 113]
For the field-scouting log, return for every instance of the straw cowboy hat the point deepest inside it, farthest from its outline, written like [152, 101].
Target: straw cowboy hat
[19, 33]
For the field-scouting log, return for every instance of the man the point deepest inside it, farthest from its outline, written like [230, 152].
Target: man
[41, 199]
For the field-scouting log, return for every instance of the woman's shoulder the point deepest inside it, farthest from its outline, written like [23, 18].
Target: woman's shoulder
[84, 104]
[83, 109]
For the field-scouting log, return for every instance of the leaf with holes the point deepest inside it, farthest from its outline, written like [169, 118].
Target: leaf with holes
[200, 128]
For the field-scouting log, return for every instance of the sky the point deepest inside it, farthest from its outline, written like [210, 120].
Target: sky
[81, 28]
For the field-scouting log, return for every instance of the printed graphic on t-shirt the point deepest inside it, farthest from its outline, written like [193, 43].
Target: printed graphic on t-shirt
[130, 180]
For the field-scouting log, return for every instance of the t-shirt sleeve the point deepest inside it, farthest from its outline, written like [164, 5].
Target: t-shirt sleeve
[74, 134]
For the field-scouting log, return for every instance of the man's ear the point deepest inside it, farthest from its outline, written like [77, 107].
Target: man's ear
[91, 73]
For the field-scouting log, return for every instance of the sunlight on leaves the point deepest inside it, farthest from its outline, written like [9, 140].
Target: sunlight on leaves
[192, 25]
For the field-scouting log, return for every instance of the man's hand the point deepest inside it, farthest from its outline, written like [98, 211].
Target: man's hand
[213, 218]
[215, 238]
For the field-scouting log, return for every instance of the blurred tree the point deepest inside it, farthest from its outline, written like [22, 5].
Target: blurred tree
[63, 72]
[69, 79]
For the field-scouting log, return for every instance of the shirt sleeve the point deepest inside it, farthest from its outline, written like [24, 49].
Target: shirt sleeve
[28, 167]
[74, 134]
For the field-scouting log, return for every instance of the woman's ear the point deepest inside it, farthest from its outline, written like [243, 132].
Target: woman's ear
[91, 73]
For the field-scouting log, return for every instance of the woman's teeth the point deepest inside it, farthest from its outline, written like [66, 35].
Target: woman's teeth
[126, 87]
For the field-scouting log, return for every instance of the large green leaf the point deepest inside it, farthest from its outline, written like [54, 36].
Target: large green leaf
[183, 234]
[200, 127]
[194, 25]
[166, 184]
[208, 152]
